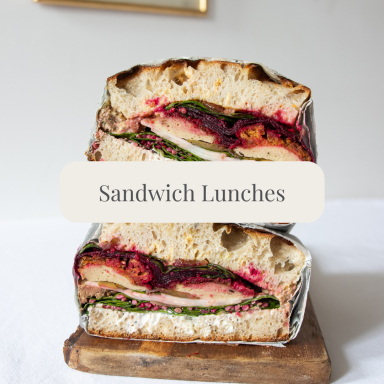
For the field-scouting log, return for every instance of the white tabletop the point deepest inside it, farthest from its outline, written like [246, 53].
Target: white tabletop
[347, 289]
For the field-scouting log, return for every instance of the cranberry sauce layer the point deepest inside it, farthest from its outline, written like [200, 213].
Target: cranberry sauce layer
[152, 273]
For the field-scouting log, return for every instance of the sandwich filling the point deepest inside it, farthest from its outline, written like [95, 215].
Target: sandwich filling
[133, 282]
[197, 131]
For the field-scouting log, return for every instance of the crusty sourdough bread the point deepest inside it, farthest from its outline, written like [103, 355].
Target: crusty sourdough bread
[260, 325]
[240, 85]
[265, 259]
[112, 149]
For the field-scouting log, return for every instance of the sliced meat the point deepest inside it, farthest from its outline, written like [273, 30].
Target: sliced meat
[180, 127]
[85, 291]
[99, 272]
[211, 291]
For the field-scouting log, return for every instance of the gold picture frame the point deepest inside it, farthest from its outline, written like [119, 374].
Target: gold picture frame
[174, 7]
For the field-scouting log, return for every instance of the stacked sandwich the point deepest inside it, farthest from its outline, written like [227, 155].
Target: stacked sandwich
[188, 282]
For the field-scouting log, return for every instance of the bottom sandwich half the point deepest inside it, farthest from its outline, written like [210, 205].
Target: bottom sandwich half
[188, 282]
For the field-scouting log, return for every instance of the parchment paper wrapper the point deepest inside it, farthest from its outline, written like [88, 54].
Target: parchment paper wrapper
[297, 303]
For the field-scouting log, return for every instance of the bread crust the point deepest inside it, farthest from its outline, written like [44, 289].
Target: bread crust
[138, 336]
[256, 71]
[233, 84]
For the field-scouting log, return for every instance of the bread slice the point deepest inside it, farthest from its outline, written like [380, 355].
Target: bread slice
[260, 325]
[236, 85]
[113, 149]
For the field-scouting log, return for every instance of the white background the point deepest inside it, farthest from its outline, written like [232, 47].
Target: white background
[53, 66]
[347, 286]
[54, 62]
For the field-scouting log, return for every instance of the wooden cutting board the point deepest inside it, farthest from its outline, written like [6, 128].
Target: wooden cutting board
[304, 360]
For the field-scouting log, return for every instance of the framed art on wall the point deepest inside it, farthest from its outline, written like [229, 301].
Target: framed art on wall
[176, 7]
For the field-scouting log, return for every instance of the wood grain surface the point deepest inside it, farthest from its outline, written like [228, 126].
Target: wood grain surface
[303, 360]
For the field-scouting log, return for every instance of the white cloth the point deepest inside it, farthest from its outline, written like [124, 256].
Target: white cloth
[347, 289]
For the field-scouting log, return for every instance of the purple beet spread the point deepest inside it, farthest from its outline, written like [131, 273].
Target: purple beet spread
[229, 134]
[153, 273]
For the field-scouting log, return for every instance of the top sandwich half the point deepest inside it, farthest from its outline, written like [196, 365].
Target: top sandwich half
[201, 109]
